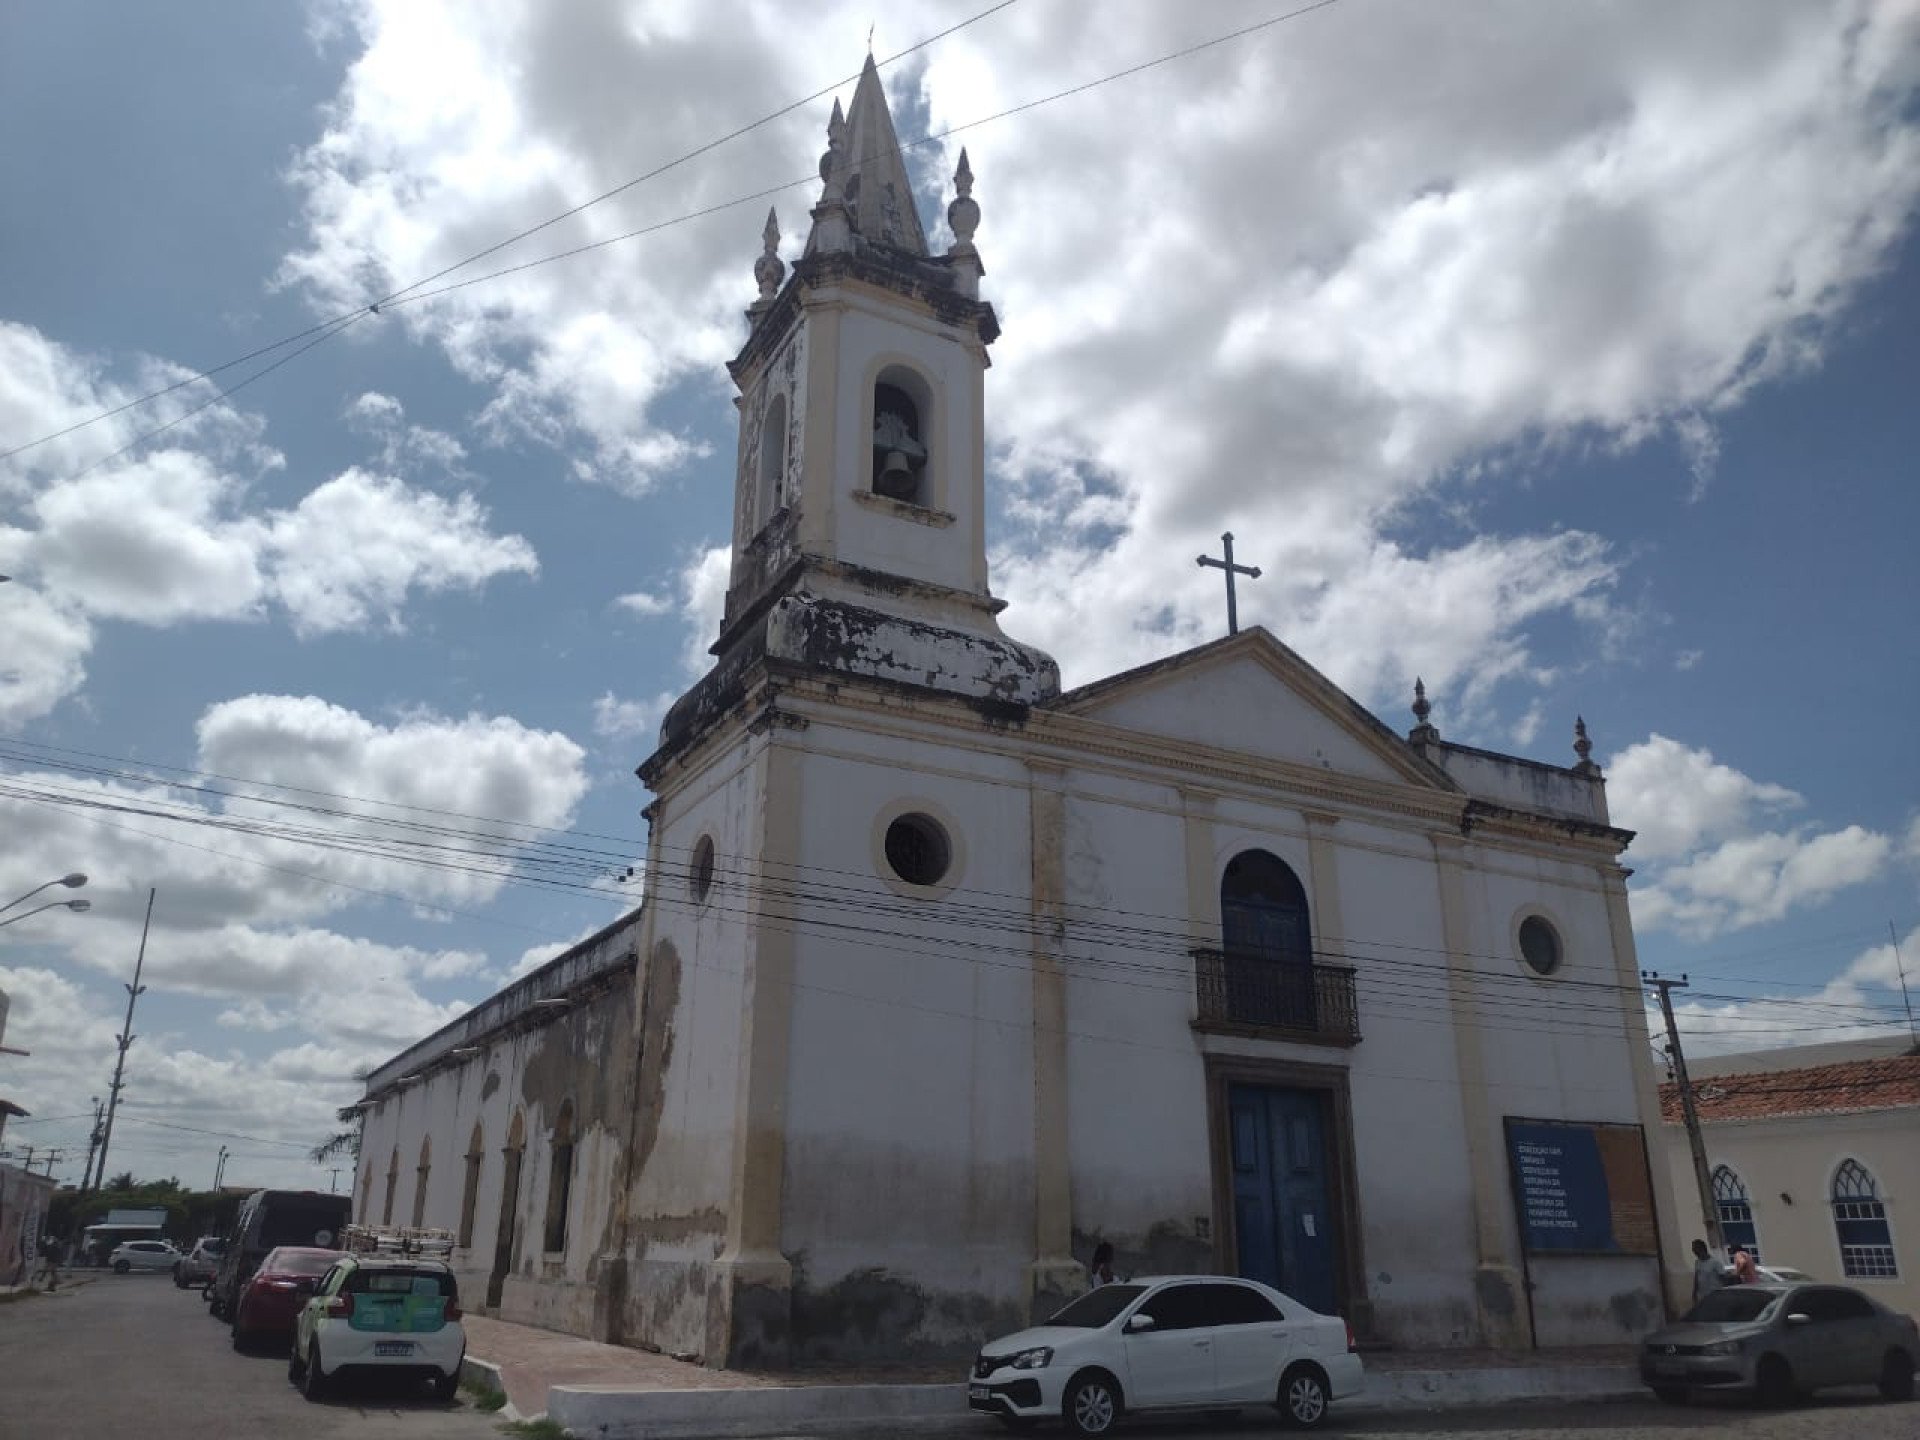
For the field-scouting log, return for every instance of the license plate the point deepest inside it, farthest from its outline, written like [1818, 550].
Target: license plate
[393, 1347]
[978, 1392]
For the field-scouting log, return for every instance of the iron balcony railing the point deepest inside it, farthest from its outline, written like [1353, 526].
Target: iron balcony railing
[1259, 992]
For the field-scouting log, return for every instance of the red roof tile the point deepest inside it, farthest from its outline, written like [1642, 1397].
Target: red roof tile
[1885, 1084]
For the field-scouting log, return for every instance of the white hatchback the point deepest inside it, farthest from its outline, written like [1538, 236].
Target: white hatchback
[1169, 1342]
[377, 1312]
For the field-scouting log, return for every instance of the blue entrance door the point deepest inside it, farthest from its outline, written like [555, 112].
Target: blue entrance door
[1284, 1226]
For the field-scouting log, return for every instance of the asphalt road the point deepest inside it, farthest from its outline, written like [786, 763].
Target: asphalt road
[129, 1357]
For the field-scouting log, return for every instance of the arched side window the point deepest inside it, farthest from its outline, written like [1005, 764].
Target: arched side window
[1735, 1207]
[560, 1180]
[1267, 937]
[1860, 1221]
[420, 1182]
[902, 408]
[774, 442]
[470, 1192]
[393, 1181]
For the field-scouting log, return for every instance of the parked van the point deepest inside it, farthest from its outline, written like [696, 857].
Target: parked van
[266, 1220]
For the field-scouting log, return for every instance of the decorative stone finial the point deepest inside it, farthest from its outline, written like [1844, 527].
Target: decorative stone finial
[1423, 731]
[769, 269]
[1583, 747]
[963, 216]
[833, 158]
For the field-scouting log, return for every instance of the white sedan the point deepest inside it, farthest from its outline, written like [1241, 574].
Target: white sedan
[1170, 1342]
[143, 1255]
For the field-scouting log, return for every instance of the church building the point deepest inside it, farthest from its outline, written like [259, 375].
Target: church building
[945, 975]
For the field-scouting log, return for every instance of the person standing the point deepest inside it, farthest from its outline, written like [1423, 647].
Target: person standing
[1100, 1268]
[1745, 1272]
[1708, 1273]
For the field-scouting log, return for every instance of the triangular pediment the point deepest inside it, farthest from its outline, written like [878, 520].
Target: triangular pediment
[1250, 693]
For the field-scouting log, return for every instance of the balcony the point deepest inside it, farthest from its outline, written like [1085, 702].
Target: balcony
[1250, 993]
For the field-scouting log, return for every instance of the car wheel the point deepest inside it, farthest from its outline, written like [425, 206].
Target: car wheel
[1896, 1376]
[444, 1387]
[1303, 1397]
[296, 1367]
[1092, 1405]
[313, 1384]
[1671, 1394]
[1773, 1385]
[120, 1267]
[179, 1280]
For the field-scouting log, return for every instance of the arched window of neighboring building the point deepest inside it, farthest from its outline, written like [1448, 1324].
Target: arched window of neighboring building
[1736, 1212]
[420, 1182]
[1860, 1220]
[1267, 938]
[470, 1193]
[393, 1181]
[901, 406]
[560, 1179]
[774, 440]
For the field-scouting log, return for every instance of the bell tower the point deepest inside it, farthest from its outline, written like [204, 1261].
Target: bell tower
[859, 528]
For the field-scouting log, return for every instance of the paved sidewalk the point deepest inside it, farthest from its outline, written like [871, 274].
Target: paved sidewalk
[611, 1390]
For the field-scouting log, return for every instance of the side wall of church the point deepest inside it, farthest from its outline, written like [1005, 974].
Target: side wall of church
[697, 955]
[504, 1105]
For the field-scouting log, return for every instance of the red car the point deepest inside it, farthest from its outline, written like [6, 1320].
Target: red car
[271, 1300]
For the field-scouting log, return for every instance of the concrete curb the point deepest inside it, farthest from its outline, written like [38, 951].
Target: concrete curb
[601, 1412]
[485, 1375]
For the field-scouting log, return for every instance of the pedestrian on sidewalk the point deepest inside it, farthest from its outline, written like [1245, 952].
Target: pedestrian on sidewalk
[1708, 1273]
[1100, 1268]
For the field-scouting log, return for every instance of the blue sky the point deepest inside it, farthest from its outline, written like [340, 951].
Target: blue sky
[1562, 355]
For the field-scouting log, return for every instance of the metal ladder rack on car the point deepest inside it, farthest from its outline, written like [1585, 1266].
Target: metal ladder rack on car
[397, 1240]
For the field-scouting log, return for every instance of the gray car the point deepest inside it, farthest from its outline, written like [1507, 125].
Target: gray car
[1781, 1341]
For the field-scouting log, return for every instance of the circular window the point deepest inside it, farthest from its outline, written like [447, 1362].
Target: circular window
[918, 849]
[700, 878]
[1539, 945]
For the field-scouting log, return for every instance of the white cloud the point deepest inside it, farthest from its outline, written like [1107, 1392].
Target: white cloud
[622, 719]
[701, 587]
[167, 534]
[353, 549]
[405, 448]
[1675, 797]
[1394, 250]
[644, 604]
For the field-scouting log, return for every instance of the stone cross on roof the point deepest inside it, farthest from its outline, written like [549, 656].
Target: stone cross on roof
[1252, 572]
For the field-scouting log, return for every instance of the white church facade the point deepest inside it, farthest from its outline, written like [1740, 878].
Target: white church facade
[945, 976]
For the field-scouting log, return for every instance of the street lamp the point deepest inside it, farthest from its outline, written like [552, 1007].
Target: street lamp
[74, 905]
[72, 882]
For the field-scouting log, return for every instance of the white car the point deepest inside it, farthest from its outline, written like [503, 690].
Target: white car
[143, 1255]
[377, 1312]
[1169, 1342]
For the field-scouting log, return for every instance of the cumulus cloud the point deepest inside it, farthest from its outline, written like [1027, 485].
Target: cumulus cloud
[1714, 865]
[700, 591]
[169, 533]
[1396, 252]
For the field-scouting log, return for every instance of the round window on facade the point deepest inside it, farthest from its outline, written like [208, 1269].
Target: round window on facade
[700, 878]
[1539, 945]
[918, 849]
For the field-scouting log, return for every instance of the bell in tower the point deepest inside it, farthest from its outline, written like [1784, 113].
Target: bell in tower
[899, 456]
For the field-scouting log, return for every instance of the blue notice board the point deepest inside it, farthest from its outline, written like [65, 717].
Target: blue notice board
[1560, 1186]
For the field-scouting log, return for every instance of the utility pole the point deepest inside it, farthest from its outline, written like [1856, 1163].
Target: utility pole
[93, 1145]
[53, 1156]
[220, 1168]
[27, 1164]
[134, 992]
[1907, 999]
[1709, 1211]
[333, 1180]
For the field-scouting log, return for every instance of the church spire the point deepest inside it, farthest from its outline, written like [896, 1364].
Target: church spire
[865, 173]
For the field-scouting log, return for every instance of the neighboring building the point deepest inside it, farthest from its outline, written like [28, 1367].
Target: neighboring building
[1816, 1167]
[944, 975]
[24, 1198]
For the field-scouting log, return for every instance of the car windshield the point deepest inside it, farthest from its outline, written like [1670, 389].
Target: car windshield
[1734, 1305]
[1098, 1307]
[402, 1282]
[300, 1262]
